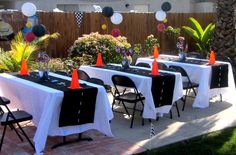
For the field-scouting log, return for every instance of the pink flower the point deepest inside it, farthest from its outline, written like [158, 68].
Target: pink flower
[161, 27]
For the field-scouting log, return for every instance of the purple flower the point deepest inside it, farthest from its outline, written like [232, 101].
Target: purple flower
[117, 49]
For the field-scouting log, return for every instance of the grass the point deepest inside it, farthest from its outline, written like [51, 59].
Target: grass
[216, 143]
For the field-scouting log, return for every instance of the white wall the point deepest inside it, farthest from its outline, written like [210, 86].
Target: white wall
[183, 6]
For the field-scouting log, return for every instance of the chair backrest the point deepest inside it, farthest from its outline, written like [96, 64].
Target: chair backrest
[83, 75]
[223, 58]
[143, 64]
[179, 69]
[162, 66]
[123, 81]
[96, 81]
[163, 90]
[195, 55]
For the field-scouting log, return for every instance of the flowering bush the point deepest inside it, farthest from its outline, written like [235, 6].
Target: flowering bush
[94, 42]
[149, 43]
[126, 53]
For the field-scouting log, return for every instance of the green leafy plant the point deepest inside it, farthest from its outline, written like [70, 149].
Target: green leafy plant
[172, 33]
[93, 43]
[202, 37]
[10, 61]
[149, 43]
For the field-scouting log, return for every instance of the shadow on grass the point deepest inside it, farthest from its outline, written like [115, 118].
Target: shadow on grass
[216, 143]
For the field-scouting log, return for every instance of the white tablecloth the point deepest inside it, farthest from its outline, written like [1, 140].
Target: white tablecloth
[143, 84]
[201, 74]
[44, 104]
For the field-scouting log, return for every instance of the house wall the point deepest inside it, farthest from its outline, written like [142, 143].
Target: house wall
[183, 6]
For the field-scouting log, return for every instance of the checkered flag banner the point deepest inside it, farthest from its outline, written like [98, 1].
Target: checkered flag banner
[152, 131]
[78, 17]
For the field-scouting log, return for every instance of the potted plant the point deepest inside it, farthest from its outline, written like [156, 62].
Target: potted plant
[202, 37]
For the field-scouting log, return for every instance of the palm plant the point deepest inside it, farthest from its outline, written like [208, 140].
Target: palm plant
[203, 38]
[20, 49]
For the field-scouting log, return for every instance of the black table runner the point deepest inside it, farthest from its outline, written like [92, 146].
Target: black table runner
[162, 85]
[78, 105]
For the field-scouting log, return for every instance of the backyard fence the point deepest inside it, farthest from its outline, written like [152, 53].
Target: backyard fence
[135, 26]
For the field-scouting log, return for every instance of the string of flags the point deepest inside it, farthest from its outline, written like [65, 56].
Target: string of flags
[79, 17]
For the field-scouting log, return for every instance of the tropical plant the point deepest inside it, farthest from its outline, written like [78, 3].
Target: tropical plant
[20, 49]
[149, 43]
[171, 32]
[93, 43]
[203, 38]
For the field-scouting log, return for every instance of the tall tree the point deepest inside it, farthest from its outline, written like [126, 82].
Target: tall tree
[225, 33]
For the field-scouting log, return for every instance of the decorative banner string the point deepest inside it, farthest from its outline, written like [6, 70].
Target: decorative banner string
[79, 17]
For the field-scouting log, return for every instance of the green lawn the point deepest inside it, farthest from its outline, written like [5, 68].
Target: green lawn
[216, 143]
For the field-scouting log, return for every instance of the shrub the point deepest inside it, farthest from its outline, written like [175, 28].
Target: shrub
[93, 43]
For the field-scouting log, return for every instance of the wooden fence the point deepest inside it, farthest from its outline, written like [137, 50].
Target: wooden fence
[135, 26]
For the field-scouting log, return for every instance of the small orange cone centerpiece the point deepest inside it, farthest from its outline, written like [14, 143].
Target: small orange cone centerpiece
[74, 80]
[212, 58]
[155, 68]
[99, 60]
[24, 68]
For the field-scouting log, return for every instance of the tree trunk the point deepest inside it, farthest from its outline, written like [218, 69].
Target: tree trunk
[224, 41]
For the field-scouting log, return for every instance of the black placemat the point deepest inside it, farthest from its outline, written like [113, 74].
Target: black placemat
[78, 105]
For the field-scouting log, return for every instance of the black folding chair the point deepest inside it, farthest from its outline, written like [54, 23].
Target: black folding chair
[143, 64]
[127, 97]
[162, 66]
[10, 118]
[187, 85]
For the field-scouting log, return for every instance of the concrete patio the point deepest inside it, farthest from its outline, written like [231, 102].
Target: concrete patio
[192, 122]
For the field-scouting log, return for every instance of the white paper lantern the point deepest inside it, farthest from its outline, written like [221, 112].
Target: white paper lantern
[160, 15]
[116, 18]
[28, 9]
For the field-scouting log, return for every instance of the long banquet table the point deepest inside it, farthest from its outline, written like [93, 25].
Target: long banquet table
[143, 84]
[201, 74]
[44, 104]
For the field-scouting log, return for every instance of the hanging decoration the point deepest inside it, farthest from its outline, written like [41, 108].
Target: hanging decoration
[28, 9]
[39, 30]
[165, 20]
[107, 11]
[104, 26]
[115, 32]
[116, 18]
[166, 6]
[161, 27]
[30, 36]
[160, 15]
[79, 17]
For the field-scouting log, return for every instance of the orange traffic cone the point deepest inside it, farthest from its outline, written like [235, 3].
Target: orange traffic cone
[24, 68]
[155, 68]
[212, 58]
[99, 60]
[74, 80]
[155, 53]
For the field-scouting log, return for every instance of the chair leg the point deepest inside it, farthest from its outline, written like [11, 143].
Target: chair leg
[125, 108]
[25, 135]
[113, 104]
[177, 109]
[171, 114]
[12, 127]
[132, 120]
[3, 134]
[221, 98]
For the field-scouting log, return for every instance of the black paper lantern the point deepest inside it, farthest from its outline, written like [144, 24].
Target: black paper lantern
[166, 6]
[107, 11]
[39, 30]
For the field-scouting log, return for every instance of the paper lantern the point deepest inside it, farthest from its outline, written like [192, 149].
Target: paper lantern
[39, 30]
[29, 36]
[107, 11]
[115, 32]
[161, 27]
[28, 9]
[104, 26]
[165, 20]
[116, 18]
[28, 24]
[166, 6]
[160, 15]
